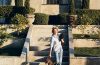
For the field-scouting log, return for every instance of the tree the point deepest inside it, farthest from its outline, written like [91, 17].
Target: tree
[72, 7]
[85, 4]
[27, 3]
[18, 2]
[29, 10]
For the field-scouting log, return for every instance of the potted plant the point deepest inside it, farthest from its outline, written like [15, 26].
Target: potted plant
[29, 12]
[72, 13]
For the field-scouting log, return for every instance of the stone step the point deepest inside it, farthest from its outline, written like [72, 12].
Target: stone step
[43, 63]
[43, 58]
[46, 44]
[44, 48]
[49, 26]
[45, 53]
[42, 26]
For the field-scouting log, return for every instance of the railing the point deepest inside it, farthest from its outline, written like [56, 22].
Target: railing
[71, 45]
[25, 50]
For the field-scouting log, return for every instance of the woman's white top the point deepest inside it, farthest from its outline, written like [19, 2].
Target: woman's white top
[55, 43]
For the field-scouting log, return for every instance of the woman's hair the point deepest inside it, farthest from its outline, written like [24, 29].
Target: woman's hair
[54, 29]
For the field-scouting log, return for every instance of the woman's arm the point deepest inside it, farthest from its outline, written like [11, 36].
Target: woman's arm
[62, 41]
[51, 46]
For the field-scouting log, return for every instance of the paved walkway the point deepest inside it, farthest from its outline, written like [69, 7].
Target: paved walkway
[40, 44]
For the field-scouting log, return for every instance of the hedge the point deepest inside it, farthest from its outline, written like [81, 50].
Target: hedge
[9, 11]
[41, 19]
[18, 2]
[63, 18]
[86, 36]
[88, 15]
[87, 52]
[85, 4]
[72, 7]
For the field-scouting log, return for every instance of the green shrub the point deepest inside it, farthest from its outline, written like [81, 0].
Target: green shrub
[20, 22]
[3, 37]
[72, 7]
[63, 18]
[87, 52]
[84, 20]
[10, 11]
[19, 19]
[92, 16]
[41, 19]
[27, 3]
[1, 42]
[5, 10]
[29, 10]
[86, 36]
[18, 2]
[85, 4]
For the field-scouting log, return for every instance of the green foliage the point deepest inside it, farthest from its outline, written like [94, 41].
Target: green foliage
[84, 20]
[87, 52]
[18, 2]
[41, 19]
[86, 36]
[29, 10]
[63, 18]
[85, 4]
[20, 22]
[72, 7]
[27, 3]
[19, 19]
[3, 37]
[10, 11]
[5, 10]
[87, 16]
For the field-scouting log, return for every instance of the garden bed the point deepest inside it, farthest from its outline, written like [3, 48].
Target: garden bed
[87, 52]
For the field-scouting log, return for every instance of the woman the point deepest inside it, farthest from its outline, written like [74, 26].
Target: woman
[56, 46]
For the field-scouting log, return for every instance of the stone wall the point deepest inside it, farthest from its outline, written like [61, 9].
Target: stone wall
[95, 4]
[50, 9]
[41, 6]
[86, 43]
[36, 4]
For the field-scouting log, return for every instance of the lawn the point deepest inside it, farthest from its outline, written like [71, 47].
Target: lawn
[87, 52]
[86, 36]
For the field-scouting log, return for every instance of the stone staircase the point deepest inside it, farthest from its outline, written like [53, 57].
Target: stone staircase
[40, 44]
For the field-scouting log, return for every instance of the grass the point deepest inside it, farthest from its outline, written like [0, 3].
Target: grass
[87, 52]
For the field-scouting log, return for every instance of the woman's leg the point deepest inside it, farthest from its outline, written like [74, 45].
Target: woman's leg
[61, 56]
[57, 57]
